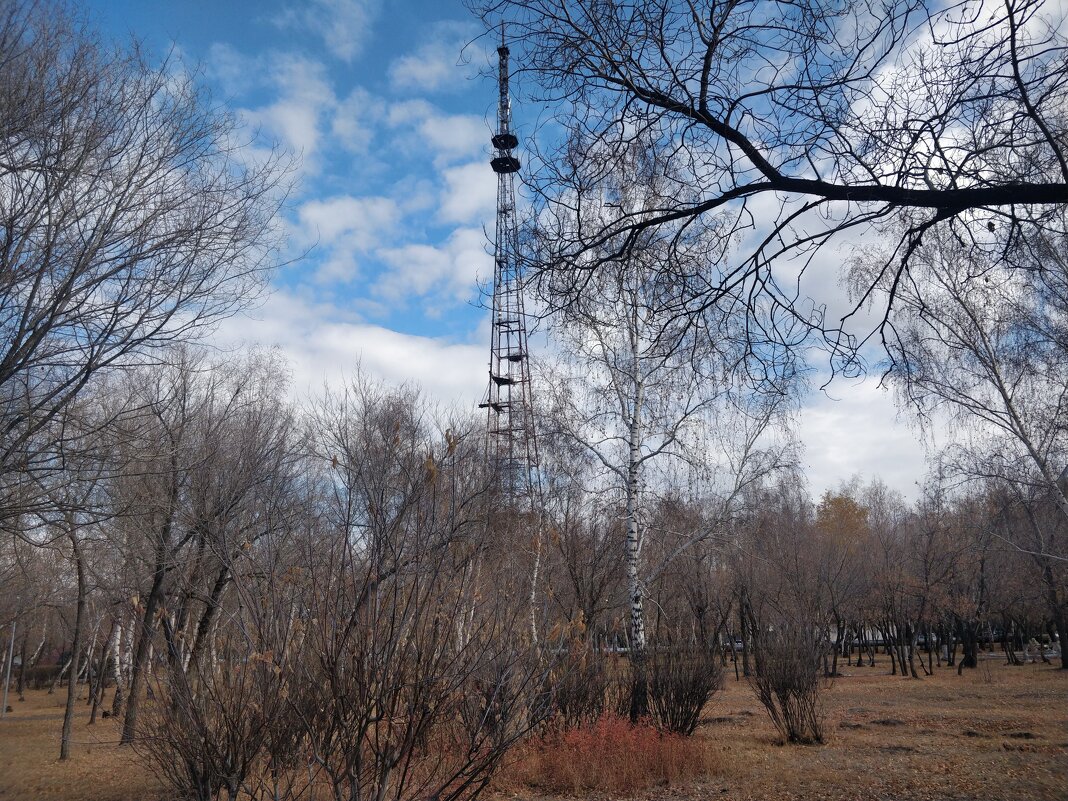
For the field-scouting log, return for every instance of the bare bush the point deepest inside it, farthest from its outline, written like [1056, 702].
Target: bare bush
[208, 737]
[580, 687]
[228, 724]
[786, 680]
[610, 755]
[417, 683]
[682, 679]
[400, 703]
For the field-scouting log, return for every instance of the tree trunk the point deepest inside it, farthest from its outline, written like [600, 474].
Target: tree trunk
[141, 653]
[1061, 624]
[20, 687]
[969, 640]
[838, 645]
[746, 635]
[102, 670]
[79, 618]
[1058, 610]
[1008, 648]
[119, 646]
[34, 658]
[639, 698]
[87, 668]
[207, 618]
[910, 644]
[6, 672]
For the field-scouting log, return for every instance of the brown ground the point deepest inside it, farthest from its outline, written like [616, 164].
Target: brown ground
[98, 769]
[996, 733]
[990, 734]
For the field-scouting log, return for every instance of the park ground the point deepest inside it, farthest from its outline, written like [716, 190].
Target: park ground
[998, 732]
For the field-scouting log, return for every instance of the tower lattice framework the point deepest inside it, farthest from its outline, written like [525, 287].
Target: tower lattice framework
[511, 443]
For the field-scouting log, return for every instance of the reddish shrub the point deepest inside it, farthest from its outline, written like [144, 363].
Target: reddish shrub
[608, 755]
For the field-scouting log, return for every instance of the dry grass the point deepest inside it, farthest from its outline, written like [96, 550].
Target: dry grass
[98, 770]
[1001, 733]
[989, 734]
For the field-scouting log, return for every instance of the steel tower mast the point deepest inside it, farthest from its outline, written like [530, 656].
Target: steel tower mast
[511, 444]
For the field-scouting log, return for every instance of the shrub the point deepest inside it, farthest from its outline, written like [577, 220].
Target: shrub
[786, 680]
[580, 688]
[223, 729]
[608, 755]
[681, 681]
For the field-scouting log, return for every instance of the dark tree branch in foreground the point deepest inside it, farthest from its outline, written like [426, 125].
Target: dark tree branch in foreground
[793, 126]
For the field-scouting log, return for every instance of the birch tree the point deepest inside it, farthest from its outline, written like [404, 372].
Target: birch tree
[639, 392]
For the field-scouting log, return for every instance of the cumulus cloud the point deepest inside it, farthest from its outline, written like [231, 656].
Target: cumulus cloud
[450, 273]
[448, 136]
[344, 227]
[343, 25]
[355, 120]
[302, 97]
[455, 135]
[469, 194]
[442, 63]
[324, 345]
[231, 69]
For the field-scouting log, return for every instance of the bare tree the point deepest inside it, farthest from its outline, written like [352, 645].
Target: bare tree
[416, 683]
[982, 342]
[206, 462]
[131, 219]
[794, 125]
[783, 605]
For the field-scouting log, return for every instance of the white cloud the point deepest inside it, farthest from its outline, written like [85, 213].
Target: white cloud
[423, 70]
[344, 227]
[355, 119]
[859, 430]
[343, 25]
[443, 62]
[415, 194]
[448, 273]
[302, 96]
[469, 194]
[449, 136]
[362, 217]
[324, 346]
[455, 135]
[231, 69]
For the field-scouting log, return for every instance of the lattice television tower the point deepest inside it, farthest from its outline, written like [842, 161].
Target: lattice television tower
[511, 444]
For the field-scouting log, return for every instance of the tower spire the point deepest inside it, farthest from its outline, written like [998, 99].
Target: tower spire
[511, 444]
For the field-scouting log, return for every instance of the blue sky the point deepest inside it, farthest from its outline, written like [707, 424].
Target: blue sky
[394, 191]
[391, 119]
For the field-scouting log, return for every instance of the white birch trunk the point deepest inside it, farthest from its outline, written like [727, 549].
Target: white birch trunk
[116, 666]
[639, 700]
[534, 587]
[633, 555]
[127, 646]
[40, 646]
